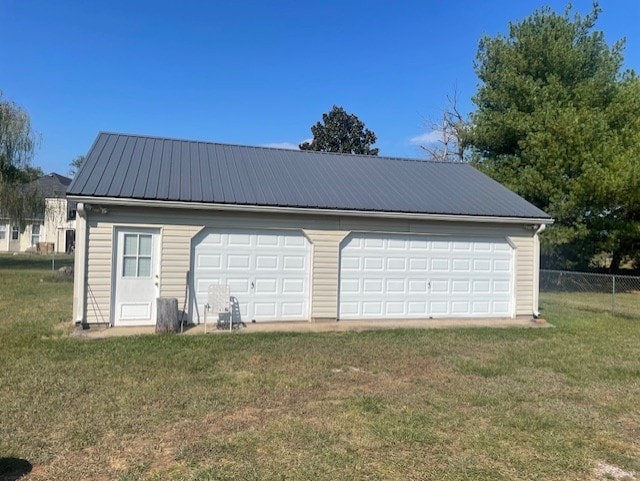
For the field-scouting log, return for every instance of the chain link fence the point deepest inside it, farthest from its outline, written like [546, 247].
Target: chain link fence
[596, 292]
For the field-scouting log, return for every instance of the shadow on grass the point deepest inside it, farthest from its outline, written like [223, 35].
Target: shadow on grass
[35, 261]
[12, 469]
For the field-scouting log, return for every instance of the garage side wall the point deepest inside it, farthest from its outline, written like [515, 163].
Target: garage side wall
[525, 267]
[99, 261]
[326, 233]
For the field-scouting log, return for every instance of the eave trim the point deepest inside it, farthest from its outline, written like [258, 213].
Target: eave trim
[170, 204]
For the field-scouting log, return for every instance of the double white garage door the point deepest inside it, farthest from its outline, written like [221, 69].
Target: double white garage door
[382, 276]
[402, 276]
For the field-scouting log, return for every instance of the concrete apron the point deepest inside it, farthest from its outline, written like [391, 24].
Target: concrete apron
[337, 326]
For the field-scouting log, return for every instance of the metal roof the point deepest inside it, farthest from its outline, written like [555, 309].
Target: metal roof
[153, 168]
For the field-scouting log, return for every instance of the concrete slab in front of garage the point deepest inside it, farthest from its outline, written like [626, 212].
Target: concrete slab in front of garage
[336, 326]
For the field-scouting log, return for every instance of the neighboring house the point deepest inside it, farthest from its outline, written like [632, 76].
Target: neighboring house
[297, 235]
[54, 230]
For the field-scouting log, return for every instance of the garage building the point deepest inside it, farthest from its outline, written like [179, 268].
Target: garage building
[296, 235]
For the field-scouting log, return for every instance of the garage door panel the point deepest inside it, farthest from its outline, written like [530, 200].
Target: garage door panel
[501, 308]
[395, 309]
[267, 271]
[482, 247]
[349, 286]
[236, 240]
[266, 262]
[293, 309]
[462, 246]
[397, 244]
[212, 261]
[293, 286]
[439, 264]
[241, 261]
[418, 245]
[460, 308]
[482, 265]
[439, 286]
[265, 309]
[501, 266]
[481, 307]
[481, 287]
[417, 308]
[439, 246]
[266, 286]
[396, 264]
[395, 286]
[418, 286]
[350, 263]
[373, 263]
[418, 264]
[294, 241]
[349, 308]
[294, 263]
[237, 286]
[405, 275]
[372, 309]
[372, 286]
[438, 308]
[373, 243]
[460, 286]
[266, 240]
[502, 247]
[461, 265]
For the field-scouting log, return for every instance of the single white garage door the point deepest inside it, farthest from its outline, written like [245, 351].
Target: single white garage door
[266, 270]
[414, 276]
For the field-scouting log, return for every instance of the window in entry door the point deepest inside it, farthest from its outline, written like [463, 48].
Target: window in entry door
[136, 255]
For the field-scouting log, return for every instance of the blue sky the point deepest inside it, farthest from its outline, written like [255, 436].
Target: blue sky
[252, 72]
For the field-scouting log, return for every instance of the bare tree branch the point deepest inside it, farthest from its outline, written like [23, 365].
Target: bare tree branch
[452, 130]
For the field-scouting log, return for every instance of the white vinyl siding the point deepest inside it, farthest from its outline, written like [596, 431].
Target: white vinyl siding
[326, 254]
[524, 275]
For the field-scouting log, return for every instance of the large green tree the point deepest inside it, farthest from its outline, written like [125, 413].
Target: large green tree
[557, 122]
[340, 131]
[17, 143]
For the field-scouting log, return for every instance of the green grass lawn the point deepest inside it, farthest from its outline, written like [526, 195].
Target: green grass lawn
[477, 404]
[625, 303]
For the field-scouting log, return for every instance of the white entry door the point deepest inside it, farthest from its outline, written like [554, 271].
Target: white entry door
[267, 272]
[388, 276]
[136, 273]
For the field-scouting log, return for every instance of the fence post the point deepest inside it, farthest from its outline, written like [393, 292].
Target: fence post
[613, 296]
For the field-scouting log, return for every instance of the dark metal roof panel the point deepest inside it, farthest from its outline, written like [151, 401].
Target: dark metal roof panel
[127, 166]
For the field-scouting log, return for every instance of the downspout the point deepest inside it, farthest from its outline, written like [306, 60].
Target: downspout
[80, 267]
[536, 270]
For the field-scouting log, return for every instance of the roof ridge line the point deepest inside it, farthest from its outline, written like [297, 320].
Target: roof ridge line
[263, 147]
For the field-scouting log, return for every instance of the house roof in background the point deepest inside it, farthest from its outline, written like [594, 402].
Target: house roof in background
[153, 168]
[52, 185]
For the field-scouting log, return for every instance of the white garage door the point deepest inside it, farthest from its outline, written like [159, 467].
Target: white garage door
[266, 270]
[409, 276]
